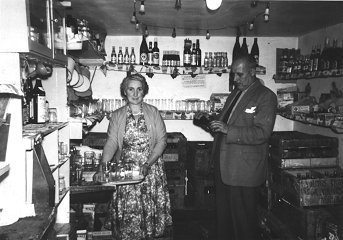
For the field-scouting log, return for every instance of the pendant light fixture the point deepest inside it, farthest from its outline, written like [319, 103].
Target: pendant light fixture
[133, 18]
[174, 33]
[178, 4]
[213, 4]
[137, 25]
[142, 8]
[251, 25]
[266, 13]
[208, 36]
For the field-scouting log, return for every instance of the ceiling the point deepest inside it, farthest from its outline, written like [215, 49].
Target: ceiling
[287, 18]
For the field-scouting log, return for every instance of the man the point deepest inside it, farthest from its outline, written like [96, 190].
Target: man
[240, 151]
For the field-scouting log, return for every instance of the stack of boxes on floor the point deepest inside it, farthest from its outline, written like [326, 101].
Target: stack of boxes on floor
[174, 157]
[189, 173]
[305, 184]
[201, 175]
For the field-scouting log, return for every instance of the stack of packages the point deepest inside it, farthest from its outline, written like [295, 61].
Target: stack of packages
[305, 184]
[174, 157]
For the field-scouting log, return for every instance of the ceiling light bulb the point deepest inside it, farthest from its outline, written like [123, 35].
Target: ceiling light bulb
[133, 18]
[208, 36]
[253, 4]
[142, 8]
[137, 25]
[174, 33]
[213, 4]
[267, 9]
[251, 25]
[178, 4]
[266, 17]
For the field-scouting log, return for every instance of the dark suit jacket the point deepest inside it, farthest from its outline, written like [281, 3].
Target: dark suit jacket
[243, 152]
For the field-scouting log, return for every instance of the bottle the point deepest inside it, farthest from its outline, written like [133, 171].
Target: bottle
[334, 58]
[143, 52]
[255, 52]
[290, 63]
[120, 59]
[244, 48]
[114, 55]
[316, 59]
[312, 55]
[186, 55]
[198, 53]
[206, 60]
[210, 60]
[28, 88]
[133, 56]
[324, 63]
[156, 54]
[150, 54]
[194, 56]
[126, 56]
[236, 49]
[39, 102]
[226, 60]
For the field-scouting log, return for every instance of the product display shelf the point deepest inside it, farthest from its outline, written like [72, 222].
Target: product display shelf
[4, 168]
[282, 79]
[335, 126]
[53, 168]
[31, 130]
[174, 71]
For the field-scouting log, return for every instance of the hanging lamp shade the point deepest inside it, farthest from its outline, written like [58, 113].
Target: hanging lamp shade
[213, 4]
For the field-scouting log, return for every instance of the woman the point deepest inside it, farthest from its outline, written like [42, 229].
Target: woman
[137, 136]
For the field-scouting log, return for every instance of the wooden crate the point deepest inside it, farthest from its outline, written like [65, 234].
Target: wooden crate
[313, 187]
[310, 223]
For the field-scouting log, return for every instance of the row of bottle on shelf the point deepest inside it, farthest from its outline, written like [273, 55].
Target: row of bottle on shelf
[326, 62]
[192, 55]
[107, 106]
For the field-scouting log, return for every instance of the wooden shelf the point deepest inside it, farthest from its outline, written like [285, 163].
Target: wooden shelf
[55, 167]
[316, 75]
[31, 130]
[175, 71]
[4, 168]
[311, 121]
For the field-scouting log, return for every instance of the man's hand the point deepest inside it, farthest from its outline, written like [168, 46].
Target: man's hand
[218, 126]
[198, 115]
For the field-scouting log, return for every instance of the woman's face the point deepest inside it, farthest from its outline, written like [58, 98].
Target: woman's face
[134, 92]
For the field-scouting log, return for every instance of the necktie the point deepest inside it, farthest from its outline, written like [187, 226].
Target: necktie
[233, 103]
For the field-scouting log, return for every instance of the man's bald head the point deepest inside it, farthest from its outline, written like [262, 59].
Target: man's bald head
[244, 68]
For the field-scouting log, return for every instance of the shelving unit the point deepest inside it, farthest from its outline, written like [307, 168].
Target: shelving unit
[174, 71]
[4, 168]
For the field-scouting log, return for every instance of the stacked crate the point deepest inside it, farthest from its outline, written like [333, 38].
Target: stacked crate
[201, 175]
[305, 184]
[174, 157]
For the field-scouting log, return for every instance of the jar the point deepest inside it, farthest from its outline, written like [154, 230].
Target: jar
[62, 184]
[89, 160]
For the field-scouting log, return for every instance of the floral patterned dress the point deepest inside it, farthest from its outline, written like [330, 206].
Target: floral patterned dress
[140, 211]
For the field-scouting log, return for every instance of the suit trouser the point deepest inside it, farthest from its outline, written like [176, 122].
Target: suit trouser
[236, 212]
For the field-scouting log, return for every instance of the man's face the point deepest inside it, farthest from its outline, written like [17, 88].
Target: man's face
[244, 76]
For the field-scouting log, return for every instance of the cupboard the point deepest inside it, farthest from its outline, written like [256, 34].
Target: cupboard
[35, 176]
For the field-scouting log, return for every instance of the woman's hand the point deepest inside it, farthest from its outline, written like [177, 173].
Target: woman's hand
[145, 169]
[99, 176]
